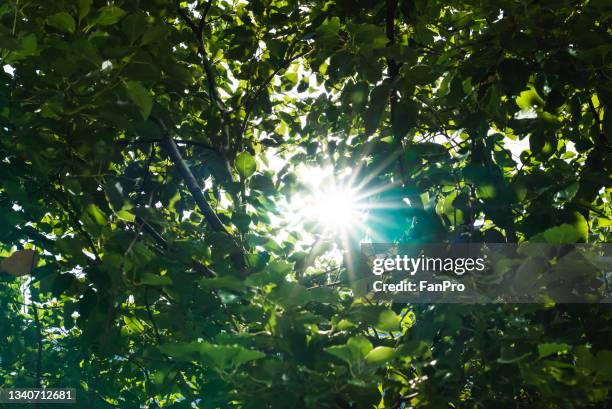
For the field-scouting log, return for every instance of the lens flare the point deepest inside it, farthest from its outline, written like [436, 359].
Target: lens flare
[334, 209]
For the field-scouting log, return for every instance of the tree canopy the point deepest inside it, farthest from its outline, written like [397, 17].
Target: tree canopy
[150, 152]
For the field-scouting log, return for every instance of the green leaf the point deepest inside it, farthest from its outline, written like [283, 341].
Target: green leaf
[245, 165]
[29, 45]
[109, 15]
[429, 151]
[154, 33]
[422, 74]
[114, 194]
[141, 97]
[378, 102]
[84, 7]
[388, 321]
[62, 21]
[359, 345]
[242, 356]
[564, 234]
[221, 357]
[262, 183]
[290, 295]
[327, 33]
[133, 324]
[530, 99]
[547, 349]
[126, 215]
[275, 272]
[405, 117]
[133, 26]
[155, 280]
[222, 283]
[341, 351]
[380, 355]
[96, 214]
[355, 349]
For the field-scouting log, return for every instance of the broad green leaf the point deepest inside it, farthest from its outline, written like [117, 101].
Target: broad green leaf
[96, 214]
[133, 324]
[62, 21]
[530, 99]
[141, 97]
[547, 349]
[155, 280]
[388, 321]
[133, 26]
[564, 234]
[223, 283]
[380, 355]
[182, 351]
[114, 193]
[245, 165]
[109, 15]
[379, 100]
[275, 272]
[290, 295]
[221, 357]
[126, 215]
[429, 151]
[29, 45]
[355, 350]
[262, 183]
[360, 346]
[422, 74]
[405, 117]
[327, 33]
[84, 7]
[341, 351]
[154, 33]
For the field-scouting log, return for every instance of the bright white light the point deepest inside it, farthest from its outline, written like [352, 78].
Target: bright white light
[334, 209]
[315, 176]
[9, 69]
[329, 201]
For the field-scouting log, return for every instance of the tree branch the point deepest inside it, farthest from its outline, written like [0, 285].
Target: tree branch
[391, 11]
[178, 141]
[212, 83]
[204, 14]
[207, 210]
[237, 256]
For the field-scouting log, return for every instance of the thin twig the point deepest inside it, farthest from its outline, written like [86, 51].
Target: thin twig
[150, 315]
[177, 140]
[75, 221]
[39, 341]
[250, 100]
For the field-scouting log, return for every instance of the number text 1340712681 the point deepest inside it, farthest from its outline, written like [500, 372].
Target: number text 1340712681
[37, 395]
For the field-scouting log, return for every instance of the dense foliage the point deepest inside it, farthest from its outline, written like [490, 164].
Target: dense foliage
[139, 143]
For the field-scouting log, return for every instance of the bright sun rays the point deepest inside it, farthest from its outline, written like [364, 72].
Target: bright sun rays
[336, 209]
[330, 202]
[344, 207]
[339, 204]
